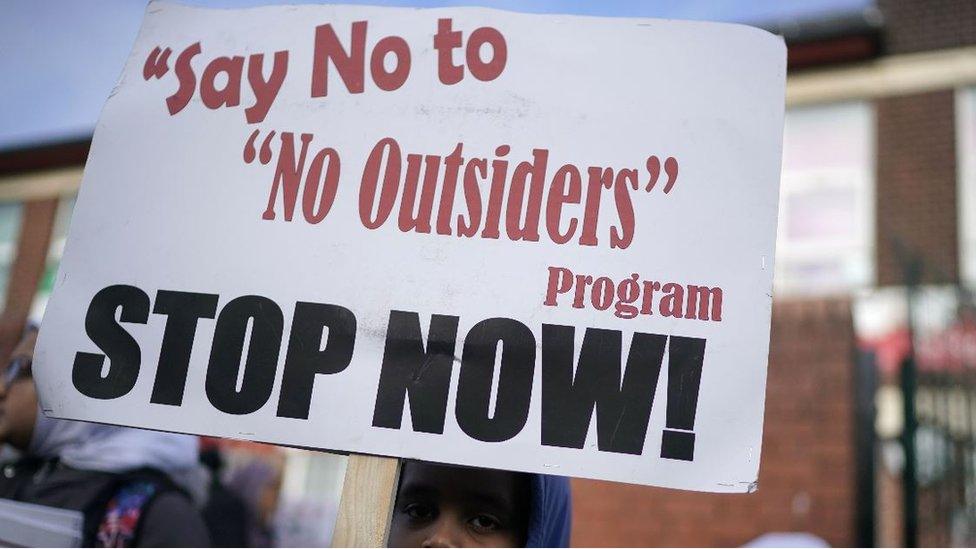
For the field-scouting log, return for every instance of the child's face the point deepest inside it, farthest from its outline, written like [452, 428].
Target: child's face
[449, 506]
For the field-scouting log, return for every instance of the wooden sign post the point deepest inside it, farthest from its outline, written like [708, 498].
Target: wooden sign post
[366, 506]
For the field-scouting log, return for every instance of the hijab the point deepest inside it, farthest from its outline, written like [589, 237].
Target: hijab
[550, 518]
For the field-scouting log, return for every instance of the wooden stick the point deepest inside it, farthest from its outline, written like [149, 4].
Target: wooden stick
[366, 506]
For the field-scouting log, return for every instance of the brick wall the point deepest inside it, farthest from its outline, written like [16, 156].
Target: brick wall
[806, 478]
[916, 185]
[922, 25]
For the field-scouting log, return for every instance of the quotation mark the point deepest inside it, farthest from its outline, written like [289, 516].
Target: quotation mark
[654, 169]
[249, 151]
[157, 64]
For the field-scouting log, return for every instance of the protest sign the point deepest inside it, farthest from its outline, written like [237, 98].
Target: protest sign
[529, 242]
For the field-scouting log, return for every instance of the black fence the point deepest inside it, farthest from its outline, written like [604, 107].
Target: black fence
[938, 386]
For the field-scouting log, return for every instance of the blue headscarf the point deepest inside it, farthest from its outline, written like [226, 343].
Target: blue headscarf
[550, 517]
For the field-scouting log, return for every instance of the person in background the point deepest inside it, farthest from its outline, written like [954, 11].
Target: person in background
[134, 487]
[452, 506]
[225, 513]
[258, 483]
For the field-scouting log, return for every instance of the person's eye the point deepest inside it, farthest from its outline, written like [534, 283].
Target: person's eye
[485, 524]
[420, 511]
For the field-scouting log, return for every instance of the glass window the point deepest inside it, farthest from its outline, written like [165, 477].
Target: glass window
[58, 236]
[10, 217]
[825, 240]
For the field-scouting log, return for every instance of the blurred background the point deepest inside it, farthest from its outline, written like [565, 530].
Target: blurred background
[871, 397]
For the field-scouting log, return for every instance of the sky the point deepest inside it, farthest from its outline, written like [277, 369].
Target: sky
[59, 59]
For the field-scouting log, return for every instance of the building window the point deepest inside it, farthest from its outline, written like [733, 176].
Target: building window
[825, 238]
[966, 155]
[59, 234]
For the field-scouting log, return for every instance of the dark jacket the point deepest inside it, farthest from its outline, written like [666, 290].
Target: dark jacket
[168, 520]
[227, 517]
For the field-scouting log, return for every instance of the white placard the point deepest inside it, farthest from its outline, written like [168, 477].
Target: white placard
[32, 525]
[530, 242]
